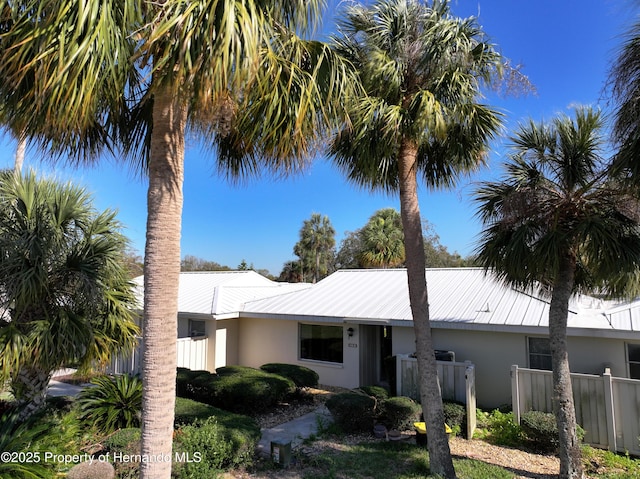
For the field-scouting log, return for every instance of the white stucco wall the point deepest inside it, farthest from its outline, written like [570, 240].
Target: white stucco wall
[276, 341]
[493, 354]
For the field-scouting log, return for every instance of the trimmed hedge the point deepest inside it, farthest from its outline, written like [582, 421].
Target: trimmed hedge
[400, 413]
[303, 377]
[378, 392]
[455, 416]
[234, 388]
[352, 411]
[541, 429]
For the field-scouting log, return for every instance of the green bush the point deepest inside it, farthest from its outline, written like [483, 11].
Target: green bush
[302, 377]
[248, 390]
[192, 384]
[124, 440]
[400, 413]
[378, 392]
[541, 430]
[210, 448]
[455, 415]
[235, 388]
[353, 412]
[111, 403]
[18, 436]
[503, 430]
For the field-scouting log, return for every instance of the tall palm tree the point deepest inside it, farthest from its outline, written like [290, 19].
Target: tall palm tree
[560, 221]
[383, 240]
[84, 74]
[421, 69]
[625, 82]
[316, 246]
[64, 286]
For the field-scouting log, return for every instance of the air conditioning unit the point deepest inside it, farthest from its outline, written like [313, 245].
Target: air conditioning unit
[442, 355]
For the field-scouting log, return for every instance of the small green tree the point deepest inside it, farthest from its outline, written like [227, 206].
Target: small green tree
[316, 248]
[64, 283]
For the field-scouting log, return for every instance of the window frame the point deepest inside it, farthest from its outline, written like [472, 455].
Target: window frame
[191, 328]
[539, 355]
[635, 364]
[323, 358]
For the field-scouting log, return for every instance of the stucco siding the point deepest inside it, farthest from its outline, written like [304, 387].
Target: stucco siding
[493, 354]
[276, 341]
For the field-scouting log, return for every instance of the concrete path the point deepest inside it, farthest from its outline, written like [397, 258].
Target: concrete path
[295, 431]
[58, 388]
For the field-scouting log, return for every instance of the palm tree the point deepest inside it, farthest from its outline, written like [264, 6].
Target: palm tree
[84, 74]
[66, 296]
[560, 221]
[624, 80]
[316, 246]
[383, 240]
[421, 69]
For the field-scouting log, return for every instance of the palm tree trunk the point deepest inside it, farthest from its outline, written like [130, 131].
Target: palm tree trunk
[20, 153]
[439, 453]
[161, 277]
[563, 406]
[29, 387]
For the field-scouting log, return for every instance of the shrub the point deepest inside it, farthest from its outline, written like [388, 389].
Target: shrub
[352, 411]
[124, 440]
[503, 430]
[302, 377]
[112, 403]
[248, 390]
[400, 412]
[378, 392]
[208, 444]
[192, 384]
[455, 415]
[19, 436]
[541, 430]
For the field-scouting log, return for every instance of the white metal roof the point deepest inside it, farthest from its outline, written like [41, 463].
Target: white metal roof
[467, 298]
[219, 293]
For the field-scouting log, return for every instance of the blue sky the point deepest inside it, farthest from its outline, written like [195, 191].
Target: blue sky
[566, 48]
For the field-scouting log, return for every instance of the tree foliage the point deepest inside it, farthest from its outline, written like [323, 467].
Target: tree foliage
[560, 220]
[316, 248]
[65, 289]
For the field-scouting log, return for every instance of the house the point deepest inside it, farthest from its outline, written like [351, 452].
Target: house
[345, 326]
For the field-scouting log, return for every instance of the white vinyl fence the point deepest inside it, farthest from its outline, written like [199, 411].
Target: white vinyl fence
[192, 354]
[457, 383]
[607, 408]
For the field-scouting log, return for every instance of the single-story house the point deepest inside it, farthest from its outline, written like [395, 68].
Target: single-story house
[345, 326]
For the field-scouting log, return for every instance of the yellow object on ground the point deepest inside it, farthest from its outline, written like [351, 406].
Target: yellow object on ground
[421, 428]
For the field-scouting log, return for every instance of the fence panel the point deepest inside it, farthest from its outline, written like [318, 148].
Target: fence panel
[457, 383]
[607, 408]
[191, 353]
[626, 399]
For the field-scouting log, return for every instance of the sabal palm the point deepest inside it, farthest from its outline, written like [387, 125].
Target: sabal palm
[316, 246]
[63, 285]
[559, 220]
[383, 240]
[81, 74]
[420, 117]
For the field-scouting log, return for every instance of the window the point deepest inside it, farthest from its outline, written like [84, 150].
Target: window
[196, 328]
[633, 355]
[321, 343]
[539, 353]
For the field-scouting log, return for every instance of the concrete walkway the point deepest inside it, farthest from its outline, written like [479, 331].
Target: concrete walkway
[295, 431]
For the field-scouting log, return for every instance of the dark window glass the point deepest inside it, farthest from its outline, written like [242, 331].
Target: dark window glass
[196, 328]
[539, 353]
[321, 343]
[634, 360]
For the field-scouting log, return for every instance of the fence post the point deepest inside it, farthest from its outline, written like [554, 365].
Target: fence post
[515, 394]
[609, 409]
[399, 358]
[470, 393]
